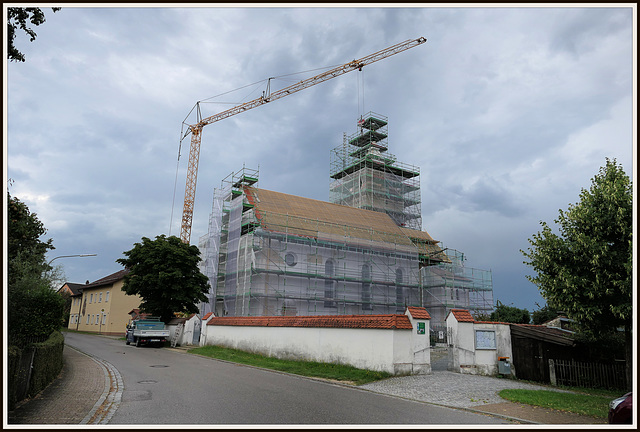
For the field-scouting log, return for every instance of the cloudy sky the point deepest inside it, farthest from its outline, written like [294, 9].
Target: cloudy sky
[508, 112]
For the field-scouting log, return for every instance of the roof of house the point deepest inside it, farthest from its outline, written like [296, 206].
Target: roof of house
[207, 315]
[418, 312]
[544, 333]
[462, 315]
[389, 321]
[305, 217]
[108, 280]
[75, 288]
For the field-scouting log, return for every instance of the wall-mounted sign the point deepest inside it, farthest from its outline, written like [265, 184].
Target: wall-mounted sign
[485, 339]
[421, 328]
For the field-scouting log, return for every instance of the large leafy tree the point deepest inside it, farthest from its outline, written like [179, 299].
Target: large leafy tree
[586, 269]
[18, 17]
[510, 314]
[164, 273]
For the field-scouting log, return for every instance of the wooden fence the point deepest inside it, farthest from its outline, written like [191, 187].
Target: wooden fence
[591, 375]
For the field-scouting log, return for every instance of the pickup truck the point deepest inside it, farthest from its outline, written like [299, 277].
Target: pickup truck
[146, 331]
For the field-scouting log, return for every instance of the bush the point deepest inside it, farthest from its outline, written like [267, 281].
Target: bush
[33, 314]
[47, 362]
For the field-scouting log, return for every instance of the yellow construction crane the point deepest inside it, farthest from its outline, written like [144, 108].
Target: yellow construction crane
[196, 129]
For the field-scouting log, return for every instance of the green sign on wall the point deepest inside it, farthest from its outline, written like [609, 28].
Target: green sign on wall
[420, 328]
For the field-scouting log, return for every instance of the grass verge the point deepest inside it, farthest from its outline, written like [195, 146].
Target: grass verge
[588, 402]
[330, 371]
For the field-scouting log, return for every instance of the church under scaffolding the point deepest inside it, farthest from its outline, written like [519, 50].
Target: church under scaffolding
[270, 253]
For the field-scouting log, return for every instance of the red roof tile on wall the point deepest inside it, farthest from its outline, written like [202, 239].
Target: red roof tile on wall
[419, 312]
[462, 315]
[207, 315]
[391, 321]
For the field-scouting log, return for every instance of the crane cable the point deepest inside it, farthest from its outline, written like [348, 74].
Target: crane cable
[360, 84]
[175, 183]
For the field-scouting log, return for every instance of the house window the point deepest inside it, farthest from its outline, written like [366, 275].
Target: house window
[91, 298]
[365, 293]
[104, 319]
[457, 294]
[97, 319]
[329, 285]
[106, 297]
[88, 318]
[100, 298]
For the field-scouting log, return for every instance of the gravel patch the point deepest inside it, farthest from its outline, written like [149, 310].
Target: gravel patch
[450, 389]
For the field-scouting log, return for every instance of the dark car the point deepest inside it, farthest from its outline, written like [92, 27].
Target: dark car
[620, 410]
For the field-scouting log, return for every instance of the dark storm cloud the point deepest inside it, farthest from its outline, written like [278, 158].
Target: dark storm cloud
[507, 112]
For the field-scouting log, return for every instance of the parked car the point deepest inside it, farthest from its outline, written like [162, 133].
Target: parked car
[621, 410]
[149, 330]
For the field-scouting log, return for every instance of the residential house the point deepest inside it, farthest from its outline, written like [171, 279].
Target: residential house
[102, 306]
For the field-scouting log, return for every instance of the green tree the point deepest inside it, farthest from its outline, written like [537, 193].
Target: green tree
[586, 269]
[26, 252]
[510, 314]
[543, 314]
[164, 273]
[34, 309]
[17, 17]
[481, 316]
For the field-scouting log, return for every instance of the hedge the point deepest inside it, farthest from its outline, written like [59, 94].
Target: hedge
[14, 355]
[47, 362]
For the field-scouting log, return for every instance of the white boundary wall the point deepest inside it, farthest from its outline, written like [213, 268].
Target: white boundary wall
[397, 351]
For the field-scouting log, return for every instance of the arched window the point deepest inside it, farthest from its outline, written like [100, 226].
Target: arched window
[365, 293]
[328, 268]
[399, 291]
[329, 285]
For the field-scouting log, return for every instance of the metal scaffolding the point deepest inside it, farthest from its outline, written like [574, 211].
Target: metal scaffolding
[364, 252]
[451, 285]
[275, 258]
[366, 176]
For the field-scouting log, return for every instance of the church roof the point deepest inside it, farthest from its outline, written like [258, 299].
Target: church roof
[324, 221]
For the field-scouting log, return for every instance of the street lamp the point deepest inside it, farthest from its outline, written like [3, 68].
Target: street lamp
[70, 256]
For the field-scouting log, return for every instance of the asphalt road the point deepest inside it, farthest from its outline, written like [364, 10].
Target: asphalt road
[162, 386]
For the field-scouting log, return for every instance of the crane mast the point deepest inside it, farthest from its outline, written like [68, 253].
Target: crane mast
[196, 129]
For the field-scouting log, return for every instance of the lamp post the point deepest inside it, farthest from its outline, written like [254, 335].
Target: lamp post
[101, 314]
[70, 256]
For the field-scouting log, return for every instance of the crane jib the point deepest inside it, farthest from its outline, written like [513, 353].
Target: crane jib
[196, 129]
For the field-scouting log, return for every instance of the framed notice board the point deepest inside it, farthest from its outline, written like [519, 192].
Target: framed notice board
[485, 339]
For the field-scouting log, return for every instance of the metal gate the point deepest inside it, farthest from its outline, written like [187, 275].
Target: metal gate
[196, 331]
